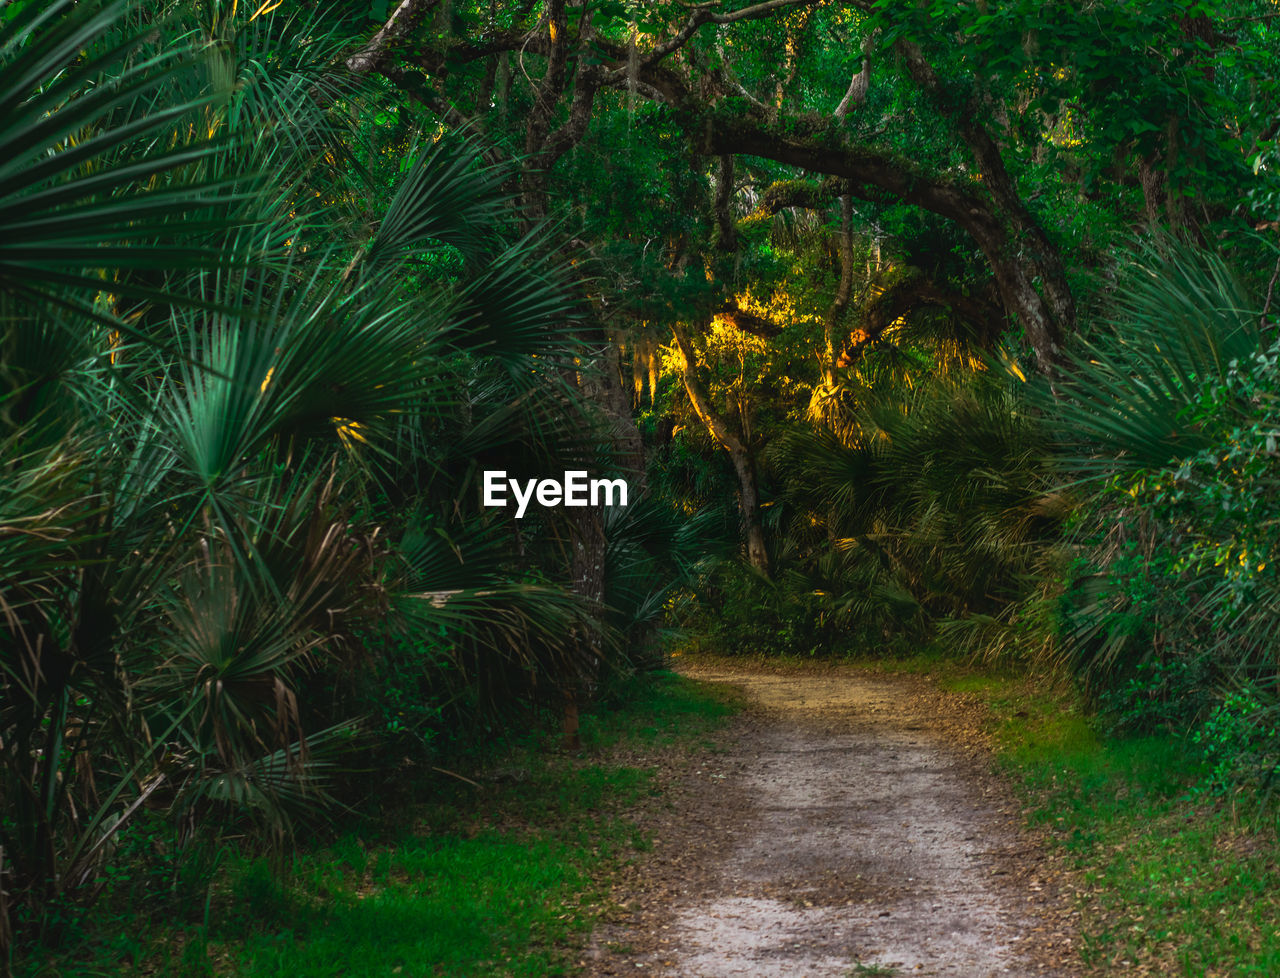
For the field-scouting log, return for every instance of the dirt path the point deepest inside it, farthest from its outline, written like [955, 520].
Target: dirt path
[842, 831]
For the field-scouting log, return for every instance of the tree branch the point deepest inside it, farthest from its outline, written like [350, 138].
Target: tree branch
[551, 85]
[907, 295]
[784, 194]
[748, 322]
[860, 83]
[703, 14]
[966, 118]
[404, 20]
[874, 174]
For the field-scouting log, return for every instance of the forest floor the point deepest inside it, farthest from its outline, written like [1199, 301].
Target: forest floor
[847, 824]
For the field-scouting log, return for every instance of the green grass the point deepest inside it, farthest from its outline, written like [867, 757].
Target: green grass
[421, 907]
[870, 971]
[500, 879]
[1170, 880]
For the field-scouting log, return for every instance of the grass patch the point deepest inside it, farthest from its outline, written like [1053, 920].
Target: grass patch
[1171, 880]
[494, 879]
[871, 971]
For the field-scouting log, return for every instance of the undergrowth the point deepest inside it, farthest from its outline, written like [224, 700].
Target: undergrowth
[495, 870]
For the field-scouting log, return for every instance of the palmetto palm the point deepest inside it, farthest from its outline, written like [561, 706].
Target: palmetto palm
[206, 385]
[106, 177]
[1169, 417]
[1181, 318]
[926, 507]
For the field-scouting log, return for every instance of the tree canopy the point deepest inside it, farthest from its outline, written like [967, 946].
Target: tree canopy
[931, 321]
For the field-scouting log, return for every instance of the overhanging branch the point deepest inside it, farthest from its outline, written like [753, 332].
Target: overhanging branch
[748, 322]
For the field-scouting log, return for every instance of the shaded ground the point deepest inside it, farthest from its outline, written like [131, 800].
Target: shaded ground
[848, 826]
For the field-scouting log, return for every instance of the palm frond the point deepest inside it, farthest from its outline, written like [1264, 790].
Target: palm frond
[83, 190]
[1131, 393]
[448, 197]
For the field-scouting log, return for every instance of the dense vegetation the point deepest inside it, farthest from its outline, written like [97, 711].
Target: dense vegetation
[910, 324]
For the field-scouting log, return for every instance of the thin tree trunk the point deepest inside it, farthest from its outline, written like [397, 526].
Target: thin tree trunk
[749, 501]
[843, 292]
[743, 461]
[569, 728]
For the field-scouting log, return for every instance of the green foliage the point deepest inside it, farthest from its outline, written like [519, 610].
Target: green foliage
[214, 499]
[93, 180]
[266, 320]
[1170, 616]
[930, 507]
[1151, 82]
[483, 875]
[1144, 388]
[407, 710]
[736, 611]
[1158, 696]
[1241, 744]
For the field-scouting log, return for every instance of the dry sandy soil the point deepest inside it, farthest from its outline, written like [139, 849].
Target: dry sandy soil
[848, 825]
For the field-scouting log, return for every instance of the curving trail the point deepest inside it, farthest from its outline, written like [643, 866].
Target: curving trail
[843, 831]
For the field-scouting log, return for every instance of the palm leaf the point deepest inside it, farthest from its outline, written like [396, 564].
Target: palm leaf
[448, 197]
[1131, 392]
[83, 190]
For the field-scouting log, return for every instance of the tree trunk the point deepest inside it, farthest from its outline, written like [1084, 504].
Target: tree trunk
[570, 740]
[743, 461]
[749, 503]
[843, 293]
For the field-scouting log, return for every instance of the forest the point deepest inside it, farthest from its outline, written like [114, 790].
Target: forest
[930, 345]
